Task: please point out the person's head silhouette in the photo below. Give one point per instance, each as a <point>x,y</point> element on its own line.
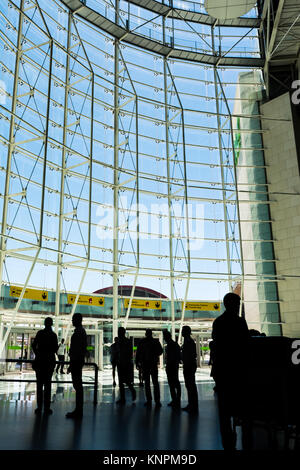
<point>148,333</point>
<point>167,336</point>
<point>62,340</point>
<point>232,303</point>
<point>77,319</point>
<point>48,322</point>
<point>186,331</point>
<point>121,332</point>
<point>253,332</point>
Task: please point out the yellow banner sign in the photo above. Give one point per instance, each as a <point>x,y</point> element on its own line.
<point>207,306</point>
<point>137,303</point>
<point>33,294</point>
<point>86,300</point>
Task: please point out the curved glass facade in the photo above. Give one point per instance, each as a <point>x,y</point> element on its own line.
<point>120,146</point>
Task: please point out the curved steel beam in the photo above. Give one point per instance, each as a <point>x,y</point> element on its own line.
<point>194,17</point>
<point>121,34</point>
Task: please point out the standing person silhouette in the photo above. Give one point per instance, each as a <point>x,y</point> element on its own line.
<point>124,365</point>
<point>44,347</point>
<point>113,359</point>
<point>189,359</point>
<point>77,355</point>
<point>147,354</point>
<point>172,369</point>
<point>229,331</point>
<point>61,356</point>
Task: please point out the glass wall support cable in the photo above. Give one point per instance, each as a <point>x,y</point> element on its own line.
<point>89,223</point>
<point>46,146</point>
<point>136,190</point>
<point>221,164</point>
<point>11,148</point>
<point>130,299</point>
<point>236,191</point>
<point>187,232</point>
<point>185,201</point>
<point>116,182</point>
<point>183,309</point>
<point>11,143</point>
<point>16,309</point>
<point>171,261</point>
<point>63,175</point>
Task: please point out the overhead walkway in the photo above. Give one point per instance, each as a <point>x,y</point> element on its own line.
<point>167,50</point>
<point>194,16</point>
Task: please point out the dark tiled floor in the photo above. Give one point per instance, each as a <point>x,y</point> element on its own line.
<point>108,426</point>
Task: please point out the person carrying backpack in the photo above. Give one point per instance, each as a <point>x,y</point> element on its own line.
<point>147,356</point>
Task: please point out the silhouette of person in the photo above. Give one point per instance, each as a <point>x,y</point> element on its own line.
<point>77,355</point>
<point>147,354</point>
<point>113,359</point>
<point>61,356</point>
<point>256,333</point>
<point>189,360</point>
<point>124,365</point>
<point>229,331</point>
<point>172,368</point>
<point>44,347</point>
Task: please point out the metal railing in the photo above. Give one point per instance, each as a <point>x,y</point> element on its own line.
<point>30,361</point>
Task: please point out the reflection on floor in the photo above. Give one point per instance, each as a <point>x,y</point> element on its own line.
<point>107,425</point>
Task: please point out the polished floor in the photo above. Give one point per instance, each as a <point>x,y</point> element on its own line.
<point>106,426</point>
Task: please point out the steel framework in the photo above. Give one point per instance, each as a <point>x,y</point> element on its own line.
<point>107,111</point>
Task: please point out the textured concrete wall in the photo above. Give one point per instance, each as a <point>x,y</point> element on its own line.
<point>251,298</point>
<point>260,295</point>
<point>283,177</point>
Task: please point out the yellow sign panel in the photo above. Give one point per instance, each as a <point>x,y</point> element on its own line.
<point>32,294</point>
<point>207,306</point>
<point>137,303</point>
<point>86,300</point>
